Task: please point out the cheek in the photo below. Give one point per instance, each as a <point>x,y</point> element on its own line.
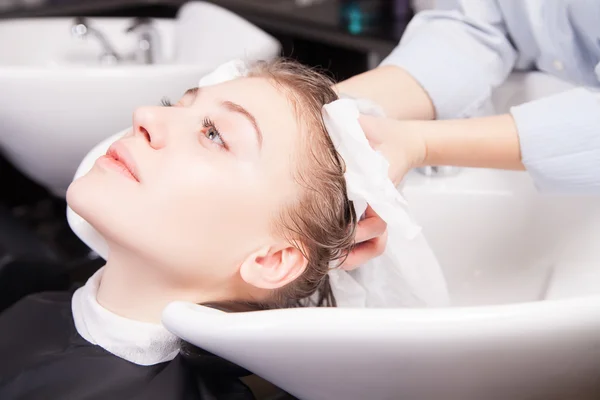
<point>188,187</point>
<point>206,212</point>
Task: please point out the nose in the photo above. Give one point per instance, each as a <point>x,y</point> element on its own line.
<point>150,124</point>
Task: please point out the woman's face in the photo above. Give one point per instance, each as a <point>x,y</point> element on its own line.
<point>208,177</point>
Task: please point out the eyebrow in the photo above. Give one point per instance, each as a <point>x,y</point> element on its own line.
<point>192,92</point>
<point>231,106</point>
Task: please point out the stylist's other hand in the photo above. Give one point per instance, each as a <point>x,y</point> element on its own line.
<point>371,238</point>
<point>404,149</point>
<point>399,143</point>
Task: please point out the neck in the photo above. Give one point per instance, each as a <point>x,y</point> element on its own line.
<point>133,289</point>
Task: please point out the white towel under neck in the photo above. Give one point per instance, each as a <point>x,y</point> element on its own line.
<point>138,342</point>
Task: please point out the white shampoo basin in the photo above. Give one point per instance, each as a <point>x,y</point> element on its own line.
<point>57,102</point>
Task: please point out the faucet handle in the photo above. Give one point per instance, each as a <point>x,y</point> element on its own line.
<point>80,27</point>
<point>139,22</point>
<point>439,170</point>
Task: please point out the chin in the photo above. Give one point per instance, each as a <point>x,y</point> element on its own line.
<point>109,208</point>
<point>75,196</point>
<point>87,197</point>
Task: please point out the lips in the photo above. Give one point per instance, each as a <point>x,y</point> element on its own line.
<point>118,153</point>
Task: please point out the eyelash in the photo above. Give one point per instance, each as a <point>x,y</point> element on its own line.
<point>207,123</point>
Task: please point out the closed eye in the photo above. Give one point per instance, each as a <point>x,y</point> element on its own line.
<point>165,102</point>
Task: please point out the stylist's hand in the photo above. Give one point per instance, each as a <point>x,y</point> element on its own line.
<point>371,238</point>
<point>404,149</point>
<point>398,141</point>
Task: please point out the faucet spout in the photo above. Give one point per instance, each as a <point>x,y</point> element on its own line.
<point>148,44</point>
<point>81,29</point>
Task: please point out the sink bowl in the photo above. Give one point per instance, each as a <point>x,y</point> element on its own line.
<point>500,241</point>
<point>523,272</point>
<point>57,102</point>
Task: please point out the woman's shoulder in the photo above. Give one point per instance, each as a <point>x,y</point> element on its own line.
<point>40,348</point>
<point>41,311</point>
<point>35,320</point>
<point>43,300</point>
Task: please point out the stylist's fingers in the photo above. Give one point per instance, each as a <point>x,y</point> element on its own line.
<point>370,227</point>
<point>370,239</point>
<point>365,251</point>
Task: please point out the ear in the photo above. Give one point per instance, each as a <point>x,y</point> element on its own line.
<point>273,267</point>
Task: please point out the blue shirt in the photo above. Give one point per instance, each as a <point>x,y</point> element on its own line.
<point>464,49</point>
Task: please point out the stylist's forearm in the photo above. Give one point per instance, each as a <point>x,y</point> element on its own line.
<point>392,88</point>
<point>489,142</point>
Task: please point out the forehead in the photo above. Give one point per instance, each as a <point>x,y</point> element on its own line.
<point>274,112</point>
<point>270,105</point>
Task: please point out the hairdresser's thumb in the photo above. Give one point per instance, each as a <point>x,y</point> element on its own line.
<point>372,127</point>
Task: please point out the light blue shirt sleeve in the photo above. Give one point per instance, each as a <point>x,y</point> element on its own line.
<point>457,56</point>
<point>560,141</point>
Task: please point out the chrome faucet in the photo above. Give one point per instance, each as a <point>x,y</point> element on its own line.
<point>438,170</point>
<point>147,49</point>
<point>148,44</point>
<point>81,29</point>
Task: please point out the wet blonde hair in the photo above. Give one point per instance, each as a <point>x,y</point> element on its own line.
<point>321,222</point>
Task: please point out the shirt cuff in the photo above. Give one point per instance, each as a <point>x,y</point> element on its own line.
<point>560,141</point>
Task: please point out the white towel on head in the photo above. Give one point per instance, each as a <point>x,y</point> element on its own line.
<point>407,273</point>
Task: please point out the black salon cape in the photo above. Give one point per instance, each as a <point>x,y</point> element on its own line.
<point>43,357</point>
